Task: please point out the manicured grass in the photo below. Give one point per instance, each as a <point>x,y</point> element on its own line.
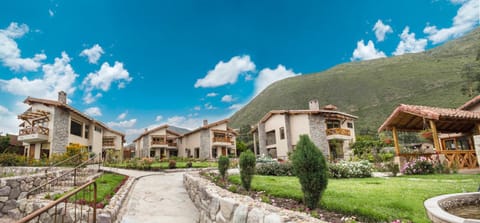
<point>374,199</point>
<point>106,185</point>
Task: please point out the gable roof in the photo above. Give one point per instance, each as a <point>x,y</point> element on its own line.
<point>168,127</point>
<point>297,112</point>
<point>414,117</point>
<point>30,100</point>
<point>207,126</point>
<point>469,104</point>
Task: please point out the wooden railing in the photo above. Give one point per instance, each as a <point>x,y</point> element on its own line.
<point>412,156</point>
<point>338,131</point>
<point>34,130</point>
<point>462,159</point>
<point>172,144</point>
<point>222,139</point>
<point>62,213</point>
<point>108,144</point>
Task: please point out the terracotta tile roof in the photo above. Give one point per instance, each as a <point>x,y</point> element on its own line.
<point>29,100</point>
<point>403,112</point>
<point>207,126</point>
<point>295,112</point>
<point>472,102</point>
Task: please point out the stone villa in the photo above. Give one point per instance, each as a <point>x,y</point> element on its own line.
<point>207,142</point>
<point>331,131</point>
<point>49,126</point>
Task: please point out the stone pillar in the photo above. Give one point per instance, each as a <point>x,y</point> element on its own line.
<point>62,97</point>
<point>255,142</point>
<point>146,147</point>
<point>60,131</point>
<point>288,133</point>
<point>205,144</point>
<point>262,139</point>
<point>318,133</point>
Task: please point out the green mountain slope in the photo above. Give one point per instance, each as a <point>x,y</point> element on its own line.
<point>372,89</point>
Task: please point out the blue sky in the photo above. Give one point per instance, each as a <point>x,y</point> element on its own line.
<point>139,64</point>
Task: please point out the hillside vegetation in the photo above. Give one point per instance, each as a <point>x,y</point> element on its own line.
<point>372,89</point>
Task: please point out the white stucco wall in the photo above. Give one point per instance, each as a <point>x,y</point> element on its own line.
<point>275,123</point>
<point>299,125</point>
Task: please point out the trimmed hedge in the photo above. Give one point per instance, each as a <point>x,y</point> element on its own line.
<point>344,169</point>
<point>275,169</point>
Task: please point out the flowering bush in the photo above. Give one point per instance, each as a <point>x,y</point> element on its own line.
<point>344,169</point>
<point>275,169</point>
<point>418,166</point>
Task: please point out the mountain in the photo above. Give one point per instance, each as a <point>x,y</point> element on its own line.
<point>372,89</point>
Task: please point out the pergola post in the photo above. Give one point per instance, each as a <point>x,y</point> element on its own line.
<point>477,127</point>
<point>395,141</point>
<point>436,142</point>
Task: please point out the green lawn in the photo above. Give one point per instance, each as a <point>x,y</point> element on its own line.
<point>374,199</point>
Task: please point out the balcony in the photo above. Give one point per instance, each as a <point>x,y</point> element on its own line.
<point>108,144</point>
<point>223,140</point>
<point>162,143</point>
<point>33,134</point>
<point>338,133</point>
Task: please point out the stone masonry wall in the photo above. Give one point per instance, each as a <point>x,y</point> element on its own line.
<point>262,139</point>
<point>146,147</point>
<point>318,133</point>
<point>221,206</point>
<point>205,145</point>
<point>60,130</point>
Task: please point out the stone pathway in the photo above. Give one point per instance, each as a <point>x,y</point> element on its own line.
<point>156,198</point>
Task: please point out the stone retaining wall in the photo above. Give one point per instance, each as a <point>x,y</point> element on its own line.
<point>7,171</point>
<point>16,188</point>
<point>221,206</point>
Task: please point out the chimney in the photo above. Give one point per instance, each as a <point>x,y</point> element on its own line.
<point>313,105</point>
<point>205,122</point>
<point>62,97</point>
<point>146,129</point>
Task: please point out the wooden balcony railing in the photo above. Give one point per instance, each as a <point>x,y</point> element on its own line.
<point>338,131</point>
<point>34,130</point>
<point>108,144</point>
<point>462,159</point>
<point>162,142</point>
<point>223,139</point>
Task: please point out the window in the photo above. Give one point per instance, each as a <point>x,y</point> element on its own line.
<point>108,141</point>
<point>331,124</point>
<point>87,131</point>
<point>282,133</point>
<point>350,125</point>
<point>271,138</point>
<point>98,129</point>
<point>76,128</point>
<point>214,152</point>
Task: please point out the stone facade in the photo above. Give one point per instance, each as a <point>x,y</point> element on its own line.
<point>218,205</point>
<point>262,139</point>
<point>318,133</point>
<point>61,130</point>
<point>288,133</point>
<point>146,148</point>
<point>205,144</point>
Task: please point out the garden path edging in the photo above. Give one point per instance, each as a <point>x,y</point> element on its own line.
<point>216,204</point>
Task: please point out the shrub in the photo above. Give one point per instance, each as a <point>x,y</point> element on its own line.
<point>189,164</point>
<point>247,168</point>
<point>172,164</point>
<point>265,159</point>
<point>418,166</point>
<point>11,159</point>
<point>311,169</point>
<point>344,169</point>
<point>275,169</point>
<point>233,188</point>
<point>223,163</point>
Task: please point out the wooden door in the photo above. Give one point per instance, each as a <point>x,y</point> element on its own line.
<point>224,151</point>
<point>31,151</point>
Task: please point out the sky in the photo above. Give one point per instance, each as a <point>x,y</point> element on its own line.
<point>139,64</point>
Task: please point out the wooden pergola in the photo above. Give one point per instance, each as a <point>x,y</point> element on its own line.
<point>408,118</point>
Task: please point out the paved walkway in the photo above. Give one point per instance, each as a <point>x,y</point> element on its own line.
<point>156,198</point>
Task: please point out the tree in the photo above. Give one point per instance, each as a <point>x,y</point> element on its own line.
<point>223,163</point>
<point>247,168</point>
<point>4,143</point>
<point>245,137</point>
<point>241,147</point>
<point>310,167</point>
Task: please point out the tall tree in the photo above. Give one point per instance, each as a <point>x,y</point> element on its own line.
<point>4,143</point>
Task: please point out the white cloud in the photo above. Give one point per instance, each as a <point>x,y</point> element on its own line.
<point>93,111</point>
<point>366,52</point>
<point>226,73</point>
<point>235,106</point>
<point>158,118</point>
<point>123,124</point>
<point>212,94</point>
<point>51,13</point>
<point>89,98</point>
<point>227,98</point>
<point>9,121</point>
<point>268,76</point>
<point>10,53</point>
<point>409,44</point>
<point>467,18</point>
<point>103,78</point>
<point>185,122</point>
<point>58,76</point>
<point>381,30</point>
<point>209,106</point>
<point>197,108</point>
<point>122,115</point>
<point>93,54</point>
